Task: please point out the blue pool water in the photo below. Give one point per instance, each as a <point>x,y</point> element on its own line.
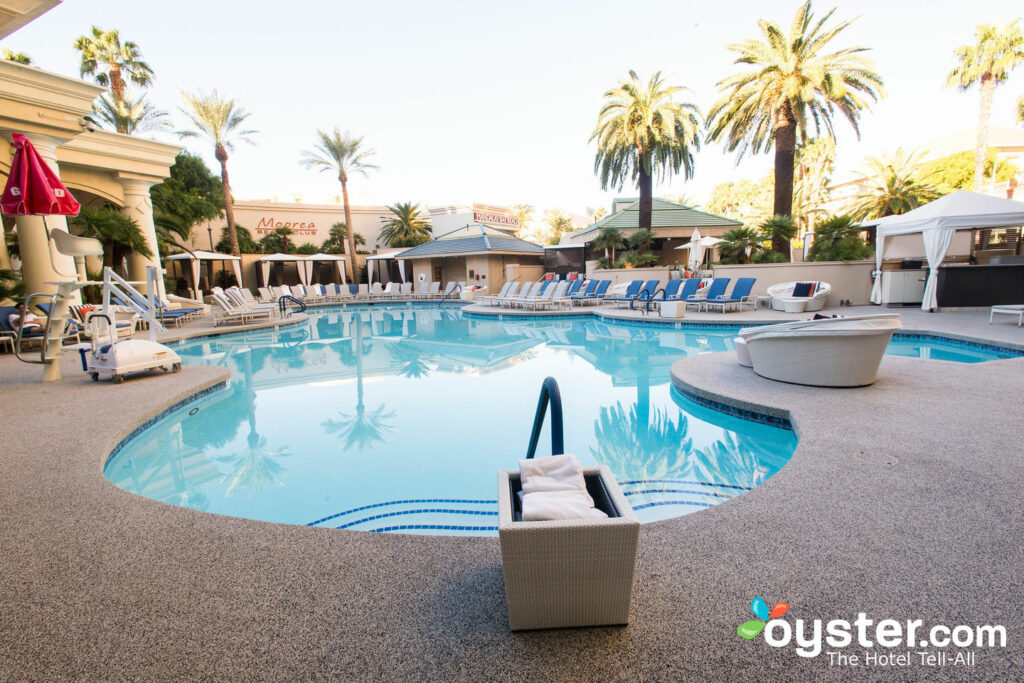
<point>397,418</point>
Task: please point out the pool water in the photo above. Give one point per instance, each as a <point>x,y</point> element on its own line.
<point>397,418</point>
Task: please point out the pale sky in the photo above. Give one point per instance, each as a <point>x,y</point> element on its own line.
<point>494,102</point>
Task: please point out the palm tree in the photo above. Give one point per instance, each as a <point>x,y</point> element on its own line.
<point>988,63</point>
<point>129,116</point>
<point>110,61</point>
<point>892,186</point>
<point>608,238</point>
<point>118,233</point>
<point>18,57</point>
<point>218,121</point>
<point>345,155</point>
<point>739,243</point>
<point>558,224</point>
<point>792,84</point>
<point>642,132</point>
<point>283,232</point>
<point>406,227</point>
<point>1020,109</point>
<point>778,229</point>
<point>524,214</point>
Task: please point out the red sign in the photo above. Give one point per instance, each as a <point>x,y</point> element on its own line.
<point>497,218</point>
<point>268,225</point>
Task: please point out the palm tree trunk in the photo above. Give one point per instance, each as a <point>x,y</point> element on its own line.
<point>645,182</point>
<point>351,249</point>
<point>785,155</point>
<point>116,84</point>
<point>229,210</point>
<point>988,87</point>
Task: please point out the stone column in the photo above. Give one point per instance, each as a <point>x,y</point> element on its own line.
<point>40,261</point>
<point>139,207</point>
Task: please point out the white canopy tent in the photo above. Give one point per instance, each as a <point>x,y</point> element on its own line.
<point>196,257</point>
<point>266,261</point>
<point>339,262</point>
<point>698,246</point>
<point>378,258</point>
<point>937,221</point>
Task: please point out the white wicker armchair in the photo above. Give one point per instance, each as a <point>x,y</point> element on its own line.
<point>783,292</point>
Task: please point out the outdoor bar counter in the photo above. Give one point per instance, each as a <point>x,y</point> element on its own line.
<point>963,286</point>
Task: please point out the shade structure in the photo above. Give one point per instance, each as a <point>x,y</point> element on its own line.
<point>195,257</point>
<point>937,221</point>
<point>698,246</point>
<point>339,261</point>
<point>32,186</point>
<point>377,258</point>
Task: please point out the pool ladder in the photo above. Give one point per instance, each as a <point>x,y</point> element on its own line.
<point>549,394</point>
<point>282,303</point>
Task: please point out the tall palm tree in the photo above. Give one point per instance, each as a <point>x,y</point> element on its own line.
<point>524,214</point>
<point>608,238</point>
<point>407,227</point>
<point>283,232</point>
<point>792,84</point>
<point>345,155</point>
<point>892,186</point>
<point>112,62</point>
<point>129,116</point>
<point>642,132</point>
<point>995,53</point>
<point>218,121</point>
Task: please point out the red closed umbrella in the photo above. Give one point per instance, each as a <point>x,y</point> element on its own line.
<point>33,188</point>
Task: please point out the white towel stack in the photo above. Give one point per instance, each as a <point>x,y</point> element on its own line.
<point>554,488</point>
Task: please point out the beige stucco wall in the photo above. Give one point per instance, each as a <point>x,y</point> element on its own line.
<point>849,280</point>
<point>617,275</point>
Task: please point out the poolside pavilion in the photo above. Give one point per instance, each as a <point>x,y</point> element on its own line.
<point>476,254</point>
<point>672,224</point>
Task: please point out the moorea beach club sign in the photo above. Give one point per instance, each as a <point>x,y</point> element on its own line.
<point>496,218</point>
<point>268,224</point>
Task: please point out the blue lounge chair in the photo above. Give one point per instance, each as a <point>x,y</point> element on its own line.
<point>595,296</point>
<point>631,291</point>
<point>587,291</point>
<point>740,296</point>
<point>687,290</point>
<point>646,292</point>
<point>668,293</point>
<point>715,290</point>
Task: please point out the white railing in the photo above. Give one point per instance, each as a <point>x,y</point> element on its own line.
<point>114,284</point>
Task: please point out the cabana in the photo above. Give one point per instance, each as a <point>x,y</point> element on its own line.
<point>384,259</point>
<point>339,261</point>
<point>937,222</point>
<point>196,257</point>
<point>299,261</point>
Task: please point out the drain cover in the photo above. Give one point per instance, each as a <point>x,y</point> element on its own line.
<point>876,458</point>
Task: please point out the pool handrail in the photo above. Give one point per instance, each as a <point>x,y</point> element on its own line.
<point>549,393</point>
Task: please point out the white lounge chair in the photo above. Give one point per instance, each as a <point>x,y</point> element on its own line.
<point>230,313</point>
<point>487,300</point>
<point>783,292</point>
<point>1008,309</point>
<point>830,352</point>
<point>545,298</point>
<point>435,290</point>
<point>529,290</point>
<point>405,291</point>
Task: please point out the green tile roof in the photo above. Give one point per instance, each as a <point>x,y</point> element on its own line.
<point>484,241</point>
<point>664,214</point>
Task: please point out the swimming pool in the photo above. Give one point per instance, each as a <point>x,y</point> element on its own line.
<point>397,418</point>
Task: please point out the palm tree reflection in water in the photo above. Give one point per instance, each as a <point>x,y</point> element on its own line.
<point>256,467</point>
<point>364,429</point>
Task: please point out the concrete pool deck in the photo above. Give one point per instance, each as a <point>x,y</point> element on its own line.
<point>902,501</point>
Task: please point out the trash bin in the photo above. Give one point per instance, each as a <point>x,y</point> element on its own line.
<point>572,572</point>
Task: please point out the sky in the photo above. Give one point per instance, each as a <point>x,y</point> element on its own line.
<point>492,102</point>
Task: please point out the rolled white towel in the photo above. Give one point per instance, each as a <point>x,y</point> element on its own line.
<point>547,505</point>
<point>554,473</point>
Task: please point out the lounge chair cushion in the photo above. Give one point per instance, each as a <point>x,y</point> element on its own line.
<point>803,289</point>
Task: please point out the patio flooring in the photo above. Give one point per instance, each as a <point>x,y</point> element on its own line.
<point>902,501</point>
